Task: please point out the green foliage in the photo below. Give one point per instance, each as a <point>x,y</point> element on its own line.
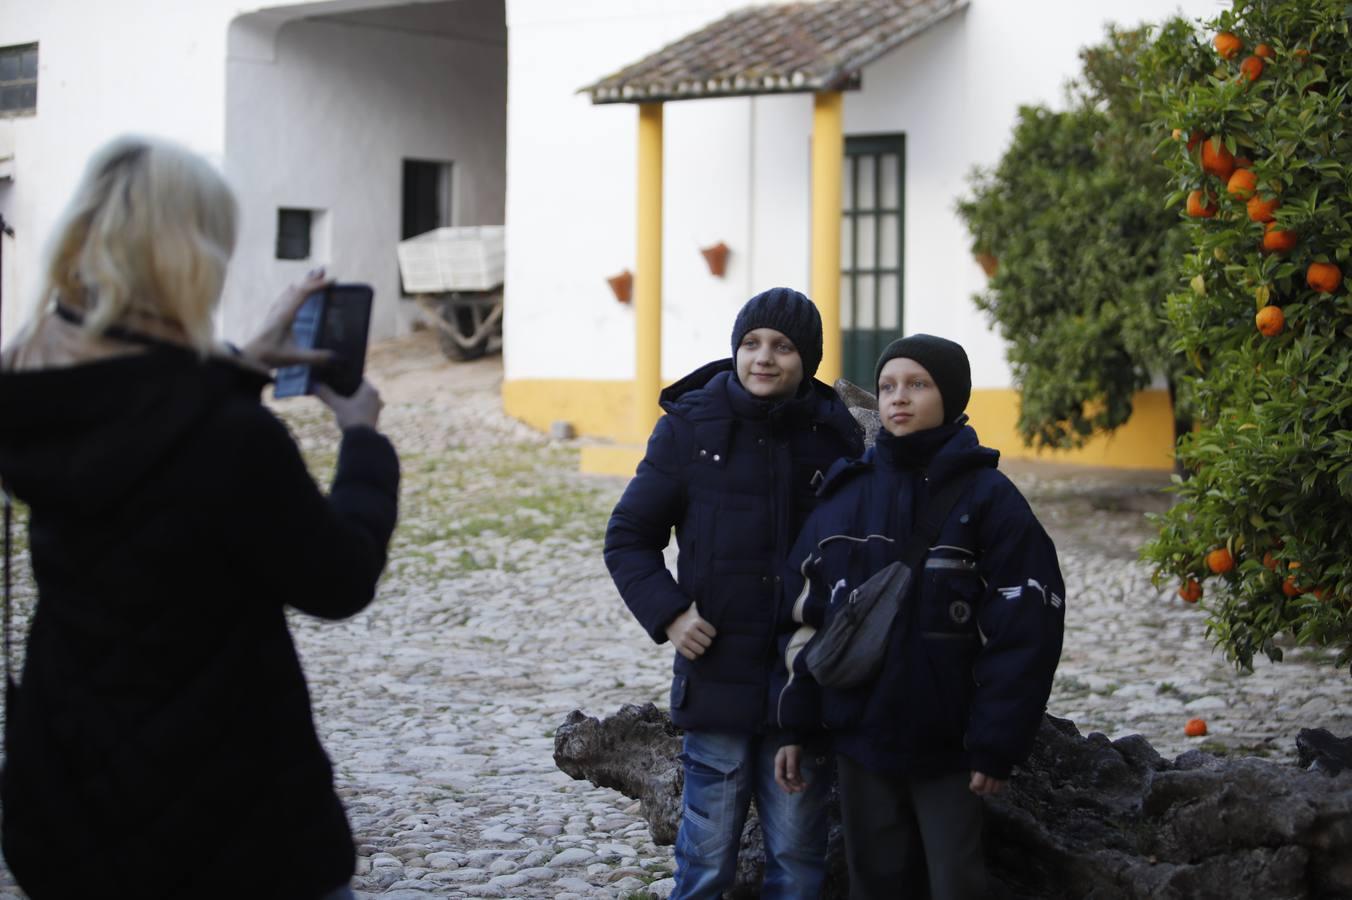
<point>1085,252</point>
<point>1272,460</point>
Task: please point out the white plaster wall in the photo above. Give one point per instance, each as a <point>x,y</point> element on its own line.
<point>160,66</point>
<point>104,69</point>
<point>572,171</point>
<point>326,122</point>
<point>954,91</point>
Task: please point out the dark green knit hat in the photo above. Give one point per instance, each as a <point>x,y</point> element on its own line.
<point>946,362</point>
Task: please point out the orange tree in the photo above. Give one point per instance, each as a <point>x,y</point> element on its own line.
<point>1069,225</point>
<point>1264,317</point>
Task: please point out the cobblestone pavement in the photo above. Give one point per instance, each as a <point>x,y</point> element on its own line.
<point>496,618</point>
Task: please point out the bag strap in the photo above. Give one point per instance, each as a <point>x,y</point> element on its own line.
<point>931,518</point>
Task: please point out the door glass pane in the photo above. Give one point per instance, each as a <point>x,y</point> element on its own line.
<point>29,66</point>
<point>864,317</point>
<point>9,66</point>
<point>865,166</point>
<point>888,241</point>
<point>889,302</point>
<point>868,243</point>
<point>889,186</point>
<point>846,303</point>
<point>847,189</point>
<point>846,243</point>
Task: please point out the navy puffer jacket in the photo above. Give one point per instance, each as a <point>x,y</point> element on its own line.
<point>969,667</point>
<point>736,477</point>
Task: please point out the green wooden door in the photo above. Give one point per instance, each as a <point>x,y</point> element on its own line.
<point>871,251</point>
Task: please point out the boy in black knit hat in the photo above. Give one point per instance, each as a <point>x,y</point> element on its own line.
<point>970,657</point>
<point>733,467</point>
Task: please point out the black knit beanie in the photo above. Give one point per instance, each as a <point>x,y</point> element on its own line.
<point>791,314</point>
<point>946,362</point>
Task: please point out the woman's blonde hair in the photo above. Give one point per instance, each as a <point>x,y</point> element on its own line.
<point>149,232</point>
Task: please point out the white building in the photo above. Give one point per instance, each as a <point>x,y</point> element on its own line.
<point>348,124</point>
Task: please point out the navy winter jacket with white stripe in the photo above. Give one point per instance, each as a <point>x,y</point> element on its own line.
<point>969,664</point>
<point>736,477</point>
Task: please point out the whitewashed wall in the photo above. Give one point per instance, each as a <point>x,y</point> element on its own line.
<point>325,121</point>
<point>737,170</point>
<point>153,66</point>
<point>319,115</point>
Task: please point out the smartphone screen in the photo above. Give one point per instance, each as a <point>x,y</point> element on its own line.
<point>292,381</point>
<point>336,318</point>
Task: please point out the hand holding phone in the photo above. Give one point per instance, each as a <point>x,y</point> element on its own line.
<point>335,318</point>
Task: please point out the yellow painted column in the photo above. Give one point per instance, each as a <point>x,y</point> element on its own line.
<point>828,160</point>
<point>648,277</point>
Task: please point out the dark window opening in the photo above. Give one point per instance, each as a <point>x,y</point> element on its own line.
<point>427,197</point>
<point>293,233</point>
<point>18,79</point>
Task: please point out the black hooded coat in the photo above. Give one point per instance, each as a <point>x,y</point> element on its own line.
<point>161,743</point>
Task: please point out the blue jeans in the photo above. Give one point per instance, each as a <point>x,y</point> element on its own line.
<point>722,773</point>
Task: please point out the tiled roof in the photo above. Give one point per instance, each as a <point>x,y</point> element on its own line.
<point>774,49</point>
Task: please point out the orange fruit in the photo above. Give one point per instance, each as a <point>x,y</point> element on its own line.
<point>1290,588</point>
<point>1265,51</point>
<point>1191,591</point>
<point>1243,162</point>
<point>1251,68</point>
<point>1194,139</point>
<point>1195,728</point>
<point>1270,321</point>
<point>1276,240</point>
<point>1242,184</point>
<point>1227,45</point>
<point>1261,210</point>
<point>1321,594</point>
<point>1324,277</point>
<point>1217,158</point>
<point>1201,206</point>
<point>1220,560</point>
<point>1270,561</point>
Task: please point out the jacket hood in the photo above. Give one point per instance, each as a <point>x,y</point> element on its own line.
<point>712,392</point>
<point>83,437</point>
<point>961,453</point>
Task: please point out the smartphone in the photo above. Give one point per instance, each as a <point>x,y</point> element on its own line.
<point>337,318</point>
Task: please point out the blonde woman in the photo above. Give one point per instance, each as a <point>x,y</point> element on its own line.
<point>160,742</point>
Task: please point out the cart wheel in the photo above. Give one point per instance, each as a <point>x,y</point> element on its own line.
<point>461,318</point>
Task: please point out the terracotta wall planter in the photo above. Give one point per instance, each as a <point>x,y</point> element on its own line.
<point>622,286</point>
<point>717,258</point>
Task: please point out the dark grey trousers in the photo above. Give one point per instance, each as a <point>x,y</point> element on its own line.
<point>897,827</point>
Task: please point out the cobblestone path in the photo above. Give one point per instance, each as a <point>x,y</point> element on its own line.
<point>496,618</point>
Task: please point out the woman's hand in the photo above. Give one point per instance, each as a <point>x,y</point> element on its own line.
<point>984,785</point>
<point>272,347</point>
<point>690,634</point>
<point>362,408</point>
<point>788,771</point>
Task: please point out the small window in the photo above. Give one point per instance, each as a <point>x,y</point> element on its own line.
<point>293,233</point>
<point>427,196</point>
<point>18,80</point>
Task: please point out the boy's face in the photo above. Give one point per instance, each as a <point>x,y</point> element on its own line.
<point>908,399</point>
<point>768,364</point>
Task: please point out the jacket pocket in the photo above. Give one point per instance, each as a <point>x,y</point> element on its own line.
<point>678,688</point>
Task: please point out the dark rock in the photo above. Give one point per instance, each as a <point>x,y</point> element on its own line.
<point>1320,751</point>
<point>1086,817</point>
<point>634,752</point>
